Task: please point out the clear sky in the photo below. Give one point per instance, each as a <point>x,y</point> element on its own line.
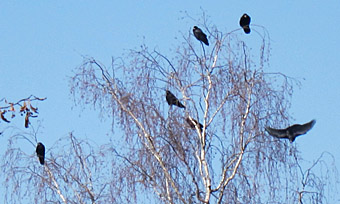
<point>41,42</point>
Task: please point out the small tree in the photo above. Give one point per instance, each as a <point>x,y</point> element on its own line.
<point>76,171</point>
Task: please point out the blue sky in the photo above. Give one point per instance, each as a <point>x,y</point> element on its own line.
<point>41,42</point>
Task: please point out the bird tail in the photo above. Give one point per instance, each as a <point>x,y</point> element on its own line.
<point>179,104</point>
<point>42,160</point>
<point>246,29</point>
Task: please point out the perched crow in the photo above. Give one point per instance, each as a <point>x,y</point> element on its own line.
<point>244,23</point>
<point>192,123</point>
<point>172,100</point>
<point>41,153</point>
<point>291,132</point>
<point>200,35</point>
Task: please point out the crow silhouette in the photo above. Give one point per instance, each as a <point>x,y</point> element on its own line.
<point>172,100</point>
<point>41,153</point>
<point>192,123</point>
<point>244,23</point>
<point>198,33</point>
<point>291,132</point>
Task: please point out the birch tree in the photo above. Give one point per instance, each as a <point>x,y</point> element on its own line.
<point>228,89</point>
<point>213,151</point>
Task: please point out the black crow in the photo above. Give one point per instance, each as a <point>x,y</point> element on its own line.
<point>172,100</point>
<point>41,153</point>
<point>192,123</point>
<point>291,132</point>
<point>200,35</point>
<point>244,23</point>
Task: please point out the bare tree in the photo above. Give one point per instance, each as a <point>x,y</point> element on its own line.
<point>156,154</point>
<point>317,180</point>
<point>76,171</point>
<point>228,90</point>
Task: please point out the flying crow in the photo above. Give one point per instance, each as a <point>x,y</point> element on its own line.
<point>244,23</point>
<point>291,132</point>
<point>41,153</point>
<point>200,35</point>
<point>172,100</point>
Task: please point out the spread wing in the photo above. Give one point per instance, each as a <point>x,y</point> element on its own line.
<point>280,133</point>
<point>302,129</point>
